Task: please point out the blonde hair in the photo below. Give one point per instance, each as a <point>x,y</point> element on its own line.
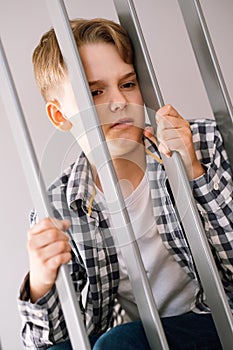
<point>49,67</point>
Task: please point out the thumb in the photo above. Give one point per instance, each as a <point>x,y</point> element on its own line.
<point>163,148</point>
<point>149,133</point>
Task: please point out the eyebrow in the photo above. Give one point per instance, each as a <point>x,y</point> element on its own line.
<point>125,76</point>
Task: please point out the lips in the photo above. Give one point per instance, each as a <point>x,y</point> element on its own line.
<point>122,123</point>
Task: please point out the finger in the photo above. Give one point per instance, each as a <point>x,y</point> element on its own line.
<point>149,133</point>
<point>46,237</point>
<point>48,223</point>
<point>170,122</point>
<point>164,149</point>
<point>182,132</point>
<point>55,262</point>
<point>167,110</point>
<point>55,249</point>
<point>172,134</point>
<point>149,130</point>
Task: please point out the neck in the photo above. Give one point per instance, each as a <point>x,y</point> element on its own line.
<point>129,168</point>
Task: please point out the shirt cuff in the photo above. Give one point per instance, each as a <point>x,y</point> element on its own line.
<point>210,190</point>
<point>38,311</point>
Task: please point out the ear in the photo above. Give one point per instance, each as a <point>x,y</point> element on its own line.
<point>56,116</point>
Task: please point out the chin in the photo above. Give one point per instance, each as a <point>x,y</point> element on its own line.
<point>122,147</point>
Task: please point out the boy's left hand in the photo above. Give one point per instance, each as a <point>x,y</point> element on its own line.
<point>174,134</point>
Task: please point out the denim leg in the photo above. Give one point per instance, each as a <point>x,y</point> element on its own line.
<point>129,336</point>
<point>185,332</point>
<point>66,345</point>
<point>191,332</point>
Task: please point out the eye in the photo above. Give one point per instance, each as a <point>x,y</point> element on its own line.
<point>96,92</point>
<point>128,85</point>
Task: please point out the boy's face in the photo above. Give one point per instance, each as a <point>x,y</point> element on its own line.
<point>116,95</point>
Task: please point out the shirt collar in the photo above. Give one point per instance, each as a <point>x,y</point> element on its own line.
<point>80,185</point>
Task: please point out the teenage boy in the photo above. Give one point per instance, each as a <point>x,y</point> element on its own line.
<point>80,209</point>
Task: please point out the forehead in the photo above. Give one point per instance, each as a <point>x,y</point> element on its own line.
<point>102,61</point>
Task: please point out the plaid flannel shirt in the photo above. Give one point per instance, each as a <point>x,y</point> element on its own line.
<point>94,259</point>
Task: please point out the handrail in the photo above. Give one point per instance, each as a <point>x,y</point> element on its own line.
<point>87,123</point>
<point>210,70</point>
<point>40,199</point>
<point>185,203</point>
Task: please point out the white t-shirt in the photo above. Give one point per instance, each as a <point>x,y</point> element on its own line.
<point>173,289</point>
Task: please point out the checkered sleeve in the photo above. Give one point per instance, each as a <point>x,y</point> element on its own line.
<point>39,318</point>
<point>213,193</point>
<point>43,323</point>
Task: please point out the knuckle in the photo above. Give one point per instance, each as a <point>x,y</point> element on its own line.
<point>186,123</point>
<point>29,235</point>
<point>68,257</point>
<point>46,221</point>
<point>61,259</point>
<point>38,256</point>
<point>53,234</point>
<point>53,263</point>
<point>30,244</point>
<point>44,224</point>
<point>169,107</point>
<point>62,246</point>
<point>57,261</point>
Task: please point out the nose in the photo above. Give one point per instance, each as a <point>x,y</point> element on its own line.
<point>117,101</point>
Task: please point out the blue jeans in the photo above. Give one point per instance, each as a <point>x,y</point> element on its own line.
<point>185,332</point>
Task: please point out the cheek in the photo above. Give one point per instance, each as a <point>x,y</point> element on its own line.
<point>103,114</point>
<point>138,113</point>
<point>138,97</point>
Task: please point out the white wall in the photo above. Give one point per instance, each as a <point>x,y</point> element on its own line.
<point>21,24</point>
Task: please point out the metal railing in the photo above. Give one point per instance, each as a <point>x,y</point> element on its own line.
<point>87,122</point>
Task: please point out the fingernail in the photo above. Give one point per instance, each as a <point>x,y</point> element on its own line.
<point>66,223</point>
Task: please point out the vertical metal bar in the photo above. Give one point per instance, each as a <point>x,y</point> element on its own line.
<point>210,70</point>
<point>179,184</point>
<point>87,123</point>
<point>40,199</point>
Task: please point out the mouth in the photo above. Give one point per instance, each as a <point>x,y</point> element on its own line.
<point>123,123</point>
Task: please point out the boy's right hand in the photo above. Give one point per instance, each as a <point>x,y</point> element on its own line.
<point>48,248</point>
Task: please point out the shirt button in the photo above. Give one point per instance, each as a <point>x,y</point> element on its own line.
<point>216,186</point>
<point>39,314</point>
